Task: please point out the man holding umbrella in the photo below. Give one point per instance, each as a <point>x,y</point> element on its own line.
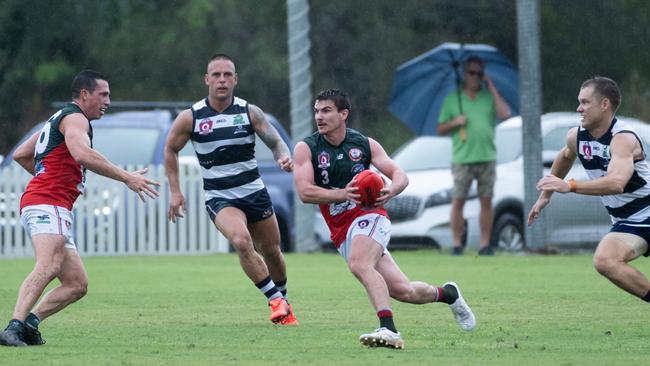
<point>469,114</point>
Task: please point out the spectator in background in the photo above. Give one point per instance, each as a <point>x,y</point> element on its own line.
<point>469,114</point>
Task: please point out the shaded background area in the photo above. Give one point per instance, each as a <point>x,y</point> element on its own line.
<point>158,50</point>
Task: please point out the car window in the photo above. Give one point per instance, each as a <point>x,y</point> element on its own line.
<point>508,143</point>
<point>111,143</point>
<point>424,153</point>
<point>555,139</point>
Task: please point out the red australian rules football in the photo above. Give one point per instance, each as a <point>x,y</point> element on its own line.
<point>370,185</point>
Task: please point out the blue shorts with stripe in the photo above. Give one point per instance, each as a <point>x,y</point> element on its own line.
<point>640,231</point>
<point>256,206</point>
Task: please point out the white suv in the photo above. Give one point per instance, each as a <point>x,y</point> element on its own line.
<point>420,215</point>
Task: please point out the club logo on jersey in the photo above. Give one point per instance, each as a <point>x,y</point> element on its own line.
<point>357,168</point>
<point>323,160</point>
<point>238,120</point>
<point>586,151</point>
<point>355,154</point>
<point>43,219</point>
<point>339,157</point>
<point>606,152</point>
<point>363,224</point>
<point>205,127</point>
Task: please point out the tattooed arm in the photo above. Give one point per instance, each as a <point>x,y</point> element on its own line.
<point>271,138</point>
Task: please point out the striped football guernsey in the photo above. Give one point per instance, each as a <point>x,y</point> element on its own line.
<point>225,146</point>
<point>632,207</point>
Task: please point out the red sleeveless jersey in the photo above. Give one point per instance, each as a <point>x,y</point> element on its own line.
<point>58,178</point>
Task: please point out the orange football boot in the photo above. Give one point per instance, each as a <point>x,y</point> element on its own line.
<point>290,319</point>
<point>279,309</point>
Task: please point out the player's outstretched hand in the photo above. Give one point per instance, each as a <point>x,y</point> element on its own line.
<point>141,185</point>
<point>176,207</point>
<point>537,208</point>
<point>286,164</point>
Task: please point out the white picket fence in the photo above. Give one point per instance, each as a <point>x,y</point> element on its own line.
<point>110,219</point>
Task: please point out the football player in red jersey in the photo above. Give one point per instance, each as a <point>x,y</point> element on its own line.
<point>325,173</point>
<point>58,157</point>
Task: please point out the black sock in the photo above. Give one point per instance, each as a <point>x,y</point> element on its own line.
<point>449,294</point>
<point>32,321</point>
<point>386,320</point>
<point>646,298</point>
<point>282,287</point>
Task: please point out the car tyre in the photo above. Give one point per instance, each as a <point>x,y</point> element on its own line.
<point>508,233</point>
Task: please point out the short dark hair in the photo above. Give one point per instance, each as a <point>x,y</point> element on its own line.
<point>86,79</point>
<point>473,59</point>
<point>606,88</point>
<point>340,99</point>
<point>221,56</point>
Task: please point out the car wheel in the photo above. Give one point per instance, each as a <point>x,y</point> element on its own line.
<point>508,233</point>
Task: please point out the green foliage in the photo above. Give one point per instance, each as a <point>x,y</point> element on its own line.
<point>158,50</point>
<point>191,310</point>
<point>52,73</point>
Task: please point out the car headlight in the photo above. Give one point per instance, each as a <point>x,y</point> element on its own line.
<point>438,198</point>
<point>444,197</point>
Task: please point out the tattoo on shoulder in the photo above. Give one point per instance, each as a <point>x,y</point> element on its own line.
<point>256,114</point>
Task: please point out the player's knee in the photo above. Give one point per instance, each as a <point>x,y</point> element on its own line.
<point>604,264</point>
<point>80,290</point>
<point>358,268</point>
<point>270,249</point>
<point>242,243</point>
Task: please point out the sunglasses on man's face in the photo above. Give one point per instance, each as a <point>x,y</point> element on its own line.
<point>475,72</point>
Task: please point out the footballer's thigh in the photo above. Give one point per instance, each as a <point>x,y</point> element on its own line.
<point>620,247</point>
<point>231,222</point>
<point>266,234</point>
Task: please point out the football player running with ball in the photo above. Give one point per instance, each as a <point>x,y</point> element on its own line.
<point>325,165</point>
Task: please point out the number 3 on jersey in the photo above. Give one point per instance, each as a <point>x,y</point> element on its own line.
<point>326,177</point>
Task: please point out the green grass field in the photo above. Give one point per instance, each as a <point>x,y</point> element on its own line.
<point>531,310</point>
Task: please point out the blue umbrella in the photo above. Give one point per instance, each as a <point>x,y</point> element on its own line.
<point>421,84</point>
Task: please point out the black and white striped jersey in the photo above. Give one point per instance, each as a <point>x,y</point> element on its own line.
<point>632,207</point>
<point>225,146</point>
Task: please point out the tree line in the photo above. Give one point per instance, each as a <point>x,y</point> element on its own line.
<point>158,50</point>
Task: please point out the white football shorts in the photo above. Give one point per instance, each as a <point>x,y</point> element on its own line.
<point>48,219</point>
<point>371,225</point>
